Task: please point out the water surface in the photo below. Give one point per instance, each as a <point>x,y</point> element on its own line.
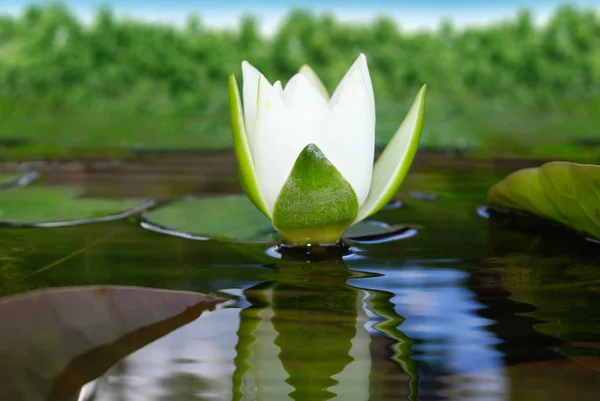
<point>467,309</point>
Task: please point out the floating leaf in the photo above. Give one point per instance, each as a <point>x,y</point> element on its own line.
<point>375,232</point>
<point>60,206</point>
<point>567,193</point>
<point>17,180</point>
<point>52,342</point>
<point>229,218</point>
<point>234,218</point>
<point>8,178</point>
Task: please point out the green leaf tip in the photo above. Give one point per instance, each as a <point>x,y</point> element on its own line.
<point>242,150</point>
<point>316,203</point>
<point>395,161</point>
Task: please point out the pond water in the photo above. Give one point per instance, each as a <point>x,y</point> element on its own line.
<point>467,308</point>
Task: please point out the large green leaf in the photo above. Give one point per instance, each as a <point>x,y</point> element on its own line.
<point>17,180</point>
<point>54,206</point>
<point>53,342</point>
<point>393,164</point>
<point>567,193</point>
<point>229,218</point>
<point>242,148</point>
<point>316,204</point>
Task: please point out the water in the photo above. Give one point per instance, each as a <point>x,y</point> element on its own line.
<point>467,309</point>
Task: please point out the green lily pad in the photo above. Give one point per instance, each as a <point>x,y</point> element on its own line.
<point>234,218</point>
<point>9,178</point>
<point>60,206</point>
<point>55,341</point>
<point>567,193</point>
<point>228,218</point>
<point>377,232</point>
<point>17,180</point>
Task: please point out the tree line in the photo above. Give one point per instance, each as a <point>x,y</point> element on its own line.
<point>49,56</point>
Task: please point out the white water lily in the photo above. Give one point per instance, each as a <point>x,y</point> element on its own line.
<point>306,160</point>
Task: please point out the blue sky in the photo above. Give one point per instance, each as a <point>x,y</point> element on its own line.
<point>411,15</point>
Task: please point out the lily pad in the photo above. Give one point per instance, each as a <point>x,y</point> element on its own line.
<point>227,218</point>
<point>17,180</point>
<point>377,232</point>
<point>60,206</point>
<point>9,178</point>
<point>566,193</point>
<point>53,342</point>
<point>234,218</point>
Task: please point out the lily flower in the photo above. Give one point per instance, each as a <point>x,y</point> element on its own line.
<point>306,160</point>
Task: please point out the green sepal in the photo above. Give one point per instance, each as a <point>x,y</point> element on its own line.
<point>242,148</point>
<point>316,203</point>
<point>393,164</point>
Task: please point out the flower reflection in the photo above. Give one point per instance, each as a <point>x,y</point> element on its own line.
<point>295,339</point>
<point>320,331</point>
<point>304,337</point>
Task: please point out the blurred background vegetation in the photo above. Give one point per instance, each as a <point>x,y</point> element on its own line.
<point>119,85</point>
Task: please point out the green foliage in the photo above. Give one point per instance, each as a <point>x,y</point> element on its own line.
<point>43,204</point>
<point>567,193</point>
<point>235,219</point>
<point>125,83</point>
<point>48,53</point>
<point>6,179</point>
<point>228,218</point>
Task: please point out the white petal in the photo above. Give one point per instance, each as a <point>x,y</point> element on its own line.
<point>278,143</point>
<point>309,110</point>
<point>278,88</point>
<point>361,65</point>
<point>249,96</point>
<point>348,140</point>
<point>314,79</point>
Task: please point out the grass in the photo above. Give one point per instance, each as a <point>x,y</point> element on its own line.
<point>486,127</point>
